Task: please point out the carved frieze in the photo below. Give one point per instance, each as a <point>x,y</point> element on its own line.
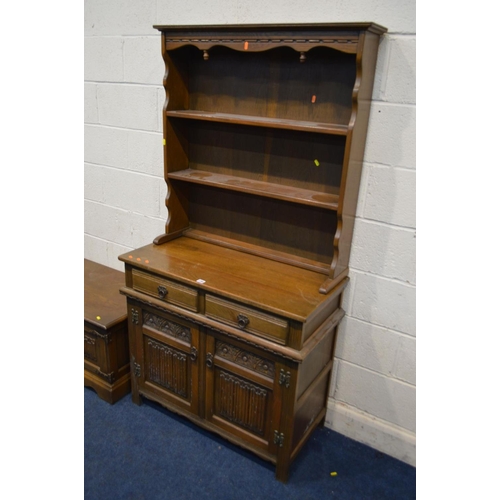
<point>245,358</point>
<point>163,325</point>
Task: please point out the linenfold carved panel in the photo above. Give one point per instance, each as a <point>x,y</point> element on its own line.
<point>241,402</point>
<point>167,367</point>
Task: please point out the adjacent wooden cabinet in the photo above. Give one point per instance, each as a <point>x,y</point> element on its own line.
<point>233,311</point>
<point>106,349</point>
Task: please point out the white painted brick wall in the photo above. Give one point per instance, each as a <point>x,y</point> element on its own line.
<point>90,103</point>
<point>128,106</point>
<point>372,396</point>
<point>368,345</point>
<point>400,78</point>
<point>390,195</point>
<point>384,302</point>
<point>120,17</point>
<point>147,50</point>
<point>390,127</point>
<point>106,146</point>
<point>129,149</point>
<point>383,397</point>
<point>104,59</point>
<point>405,368</point>
<point>388,249</point>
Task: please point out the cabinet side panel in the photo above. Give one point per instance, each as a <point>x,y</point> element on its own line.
<point>315,362</point>
<point>309,411</point>
<point>175,138</point>
<point>121,349</point>
<point>320,315</point>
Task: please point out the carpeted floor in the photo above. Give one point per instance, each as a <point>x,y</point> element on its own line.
<point>148,453</point>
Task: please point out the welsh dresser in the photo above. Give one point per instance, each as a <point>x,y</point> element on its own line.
<point>233,311</point>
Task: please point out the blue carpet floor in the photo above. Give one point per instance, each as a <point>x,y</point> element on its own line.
<point>148,453</point>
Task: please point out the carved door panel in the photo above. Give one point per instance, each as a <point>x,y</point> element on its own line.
<point>167,354</point>
<point>240,390</point>
<point>95,353</point>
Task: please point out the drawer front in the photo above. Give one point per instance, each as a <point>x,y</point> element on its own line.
<point>247,319</point>
<point>166,290</point>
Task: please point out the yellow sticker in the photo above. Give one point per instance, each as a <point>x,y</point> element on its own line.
<point>316,162</point>
<point>333,473</point>
<point>98,317</point>
<point>164,142</point>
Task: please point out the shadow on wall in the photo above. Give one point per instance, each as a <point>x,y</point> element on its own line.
<point>375,363</point>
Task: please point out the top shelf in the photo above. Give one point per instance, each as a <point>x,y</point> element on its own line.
<point>270,28</point>
<point>258,121</point>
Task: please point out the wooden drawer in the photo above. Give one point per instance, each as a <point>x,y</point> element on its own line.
<point>247,319</point>
<point>166,290</point>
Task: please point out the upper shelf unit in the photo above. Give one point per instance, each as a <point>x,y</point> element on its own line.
<point>264,135</point>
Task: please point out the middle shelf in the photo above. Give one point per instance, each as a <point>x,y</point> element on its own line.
<point>260,188</point>
<point>259,121</point>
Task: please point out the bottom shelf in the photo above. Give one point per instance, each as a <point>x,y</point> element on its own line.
<point>326,287</point>
<point>258,250</point>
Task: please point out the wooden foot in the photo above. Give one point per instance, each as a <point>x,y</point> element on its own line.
<point>110,393</point>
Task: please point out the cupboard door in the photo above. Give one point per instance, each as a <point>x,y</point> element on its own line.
<point>168,351</point>
<point>240,392</point>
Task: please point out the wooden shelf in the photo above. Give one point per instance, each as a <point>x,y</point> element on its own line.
<point>267,253</point>
<point>260,188</point>
<point>258,121</point>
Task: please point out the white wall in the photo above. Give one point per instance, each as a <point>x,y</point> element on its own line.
<point>373,391</point>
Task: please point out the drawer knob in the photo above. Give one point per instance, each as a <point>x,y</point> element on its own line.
<point>162,291</point>
<point>242,321</point>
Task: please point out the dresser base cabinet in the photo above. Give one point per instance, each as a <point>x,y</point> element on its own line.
<point>218,366</point>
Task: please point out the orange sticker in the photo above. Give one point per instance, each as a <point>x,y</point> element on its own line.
<point>245,46</point>
<point>130,257</point>
<point>138,259</point>
<point>313,100</point>
<point>146,261</point>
